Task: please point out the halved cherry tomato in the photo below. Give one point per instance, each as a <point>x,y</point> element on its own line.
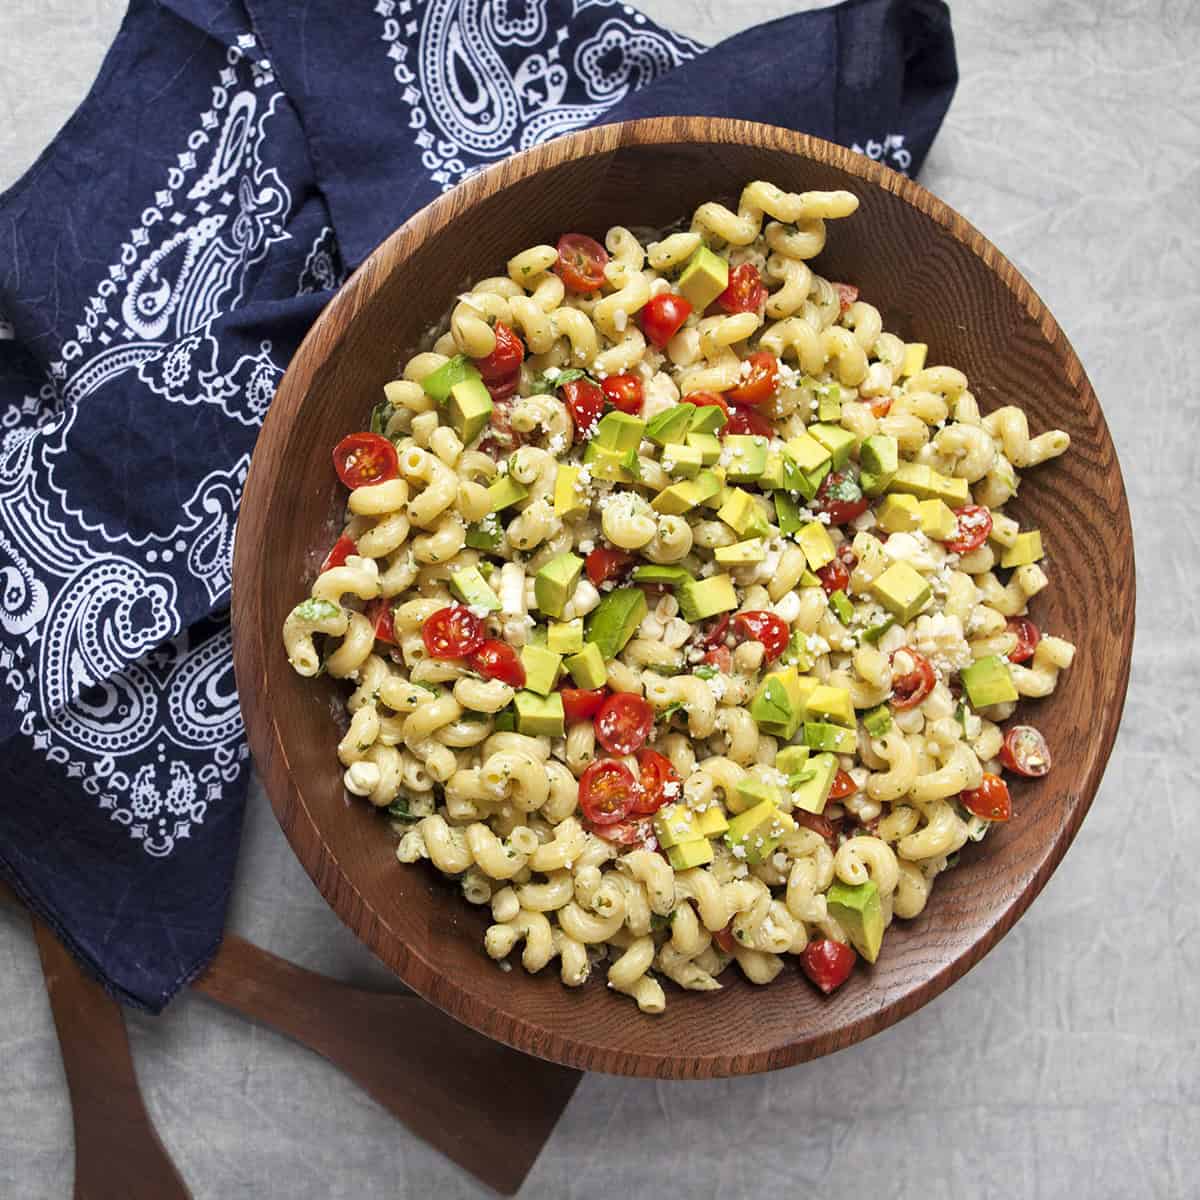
<point>840,496</point>
<point>847,294</point>
<point>607,791</point>
<point>763,627</point>
<point>974,525</point>
<point>662,317</point>
<point>603,564</point>
<point>379,613</point>
<point>714,633</point>
<point>909,689</point>
<point>637,831</point>
<point>498,660</point>
<point>361,459</point>
<point>452,632</point>
<point>1025,752</point>
<point>990,800</point>
<point>624,392</point>
<point>720,657</point>
<point>581,262</point>
<point>745,292</point>
<point>505,359</point>
<point>660,782</point>
<point>1028,637</point>
<point>834,576</point>
<point>504,389</point>
<point>828,963</point>
<point>880,406</point>
<point>341,550</point>
<point>581,704</point>
<point>819,824</point>
<point>747,420</point>
<point>759,384</point>
<point>725,939</point>
<point>623,723</point>
<point>585,402</point>
<point>843,786</point>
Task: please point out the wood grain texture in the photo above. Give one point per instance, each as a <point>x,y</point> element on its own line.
<point>935,279</point>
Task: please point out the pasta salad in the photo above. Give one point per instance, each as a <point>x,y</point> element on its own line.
<point>681,609</point>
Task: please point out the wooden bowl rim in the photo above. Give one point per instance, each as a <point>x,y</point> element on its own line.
<point>270,752</point>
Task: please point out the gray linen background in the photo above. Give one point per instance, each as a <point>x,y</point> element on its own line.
<point>1068,1062</point>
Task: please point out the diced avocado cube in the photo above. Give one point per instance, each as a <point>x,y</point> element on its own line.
<point>756,832</point>
<point>554,584</point>
<point>704,278</point>
<point>857,909</point>
<point>485,535</point>
<point>791,759</point>
<point>878,721</point>
<point>813,791</point>
<point>808,579</point>
<point>569,497</point>
<point>505,721</point>
<point>541,668</point>
<point>505,491</point>
<point>674,824</point>
<point>682,462</point>
<point>797,653</point>
<point>711,822</point>
<point>708,418</point>
<point>746,455</point>
<point>539,716</point>
<point>913,479</point>
<point>838,441</point>
<point>741,554</point>
<point>709,446</point>
<point>690,854</point>
<point>787,514</point>
<point>898,513</point>
<point>472,589</point>
<point>469,409</point>
<point>671,425</point>
<point>701,598</point>
<point>820,735</point>
<point>438,384</point>
<point>683,497</point>
<point>937,521</point>
<point>778,705</point>
<point>565,637</point>
<point>606,463</point>
<point>914,359</point>
<point>743,515</point>
<point>587,667</point>
<point>829,408</point>
<point>723,489</point>
<point>826,703</point>
<point>988,681</point>
<point>873,633</point>
<point>840,603</point>
<point>807,453</point>
<point>661,573</point>
<point>618,430</point>
<point>538,635</point>
<point>878,458</point>
<point>751,791</point>
<point>817,545</point>
<point>1025,550</point>
<point>902,590</point>
<point>612,622</point>
<point>771,479</point>
<point>809,484</point>
<point>954,491</point>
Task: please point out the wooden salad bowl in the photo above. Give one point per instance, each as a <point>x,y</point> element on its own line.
<point>936,280</point>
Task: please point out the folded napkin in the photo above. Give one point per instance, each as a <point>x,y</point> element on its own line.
<point>161,262</point>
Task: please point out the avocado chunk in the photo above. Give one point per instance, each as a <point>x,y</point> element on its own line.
<point>675,824</point>
<point>806,452</point>
<point>541,668</point>
<point>743,515</point>
<point>570,498</point>
<point>741,554</point>
<point>838,441</point>
<point>708,418</point>
<point>587,667</point>
<point>791,759</point>
<point>829,404</point>
<point>661,573</point>
<point>539,716</point>
<point>702,598</point>
<point>565,637</point>
<point>825,703</point>
<point>937,521</point>
<point>505,721</point>
<point>472,589</point>
<point>898,513</point>
<point>778,705</point>
<point>927,484</point>
<point>1025,550</point>
<point>751,791</point>
<point>682,462</point>
<point>711,822</point>
<point>612,622</point>
<point>486,534</point>
<point>683,497</point>
<point>690,854</point>
<point>771,479</point>
<point>670,426</point>
<point>746,456</point>
<point>504,492</point>
<point>439,383</point>
<point>873,633</point>
<point>856,908</point>
<point>820,735</point>
<point>840,603</point>
<point>469,409</point>
<point>878,721</point>
<point>816,778</point>
<point>914,359</point>
<point>704,278</point>
<point>756,832</point>
<point>902,591</point>
<point>988,681</point>
<point>878,458</point>
<point>951,489</point>
<point>787,514</point>
<point>608,464</point>
<point>709,446</point>
<point>555,582</point>
<point>618,430</point>
<point>817,545</point>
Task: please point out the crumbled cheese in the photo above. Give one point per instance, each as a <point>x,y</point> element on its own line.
<point>586,546</point>
<point>552,373</point>
<point>717,686</point>
<point>557,444</point>
<point>479,610</point>
<point>939,637</point>
<point>739,851</point>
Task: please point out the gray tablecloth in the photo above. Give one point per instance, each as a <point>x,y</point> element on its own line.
<point>1068,1062</point>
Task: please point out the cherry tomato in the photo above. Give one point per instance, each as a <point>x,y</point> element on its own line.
<point>505,359</point>
<point>748,420</point>
<point>361,459</point>
<point>603,564</point>
<point>637,831</point>
<point>843,786</point>
<point>341,550</point>
<point>1025,752</point>
<point>585,402</point>
<point>452,632</point>
<point>624,392</point>
<point>580,704</point>
<point>847,294</point>
<point>1028,637</point>
<point>828,963</point>
<point>909,689</point>
<point>990,800</point>
<point>720,657</point>
<point>819,824</point>
<point>840,496</point>
<point>880,406</point>
<point>725,939</point>
<point>607,791</point>
<point>498,660</point>
<point>834,576</point>
<point>763,627</point>
<point>662,317</point>
<point>623,723</point>
<point>974,525</point>
<point>581,262</point>
<point>379,613</point>
<point>501,438</point>
<point>660,782</point>
<point>504,389</point>
<point>760,383</point>
<point>714,633</point>
<point>745,292</point>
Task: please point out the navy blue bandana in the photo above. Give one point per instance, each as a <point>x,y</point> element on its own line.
<point>160,264</point>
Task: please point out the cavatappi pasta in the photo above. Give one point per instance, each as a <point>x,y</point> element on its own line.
<point>681,608</point>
